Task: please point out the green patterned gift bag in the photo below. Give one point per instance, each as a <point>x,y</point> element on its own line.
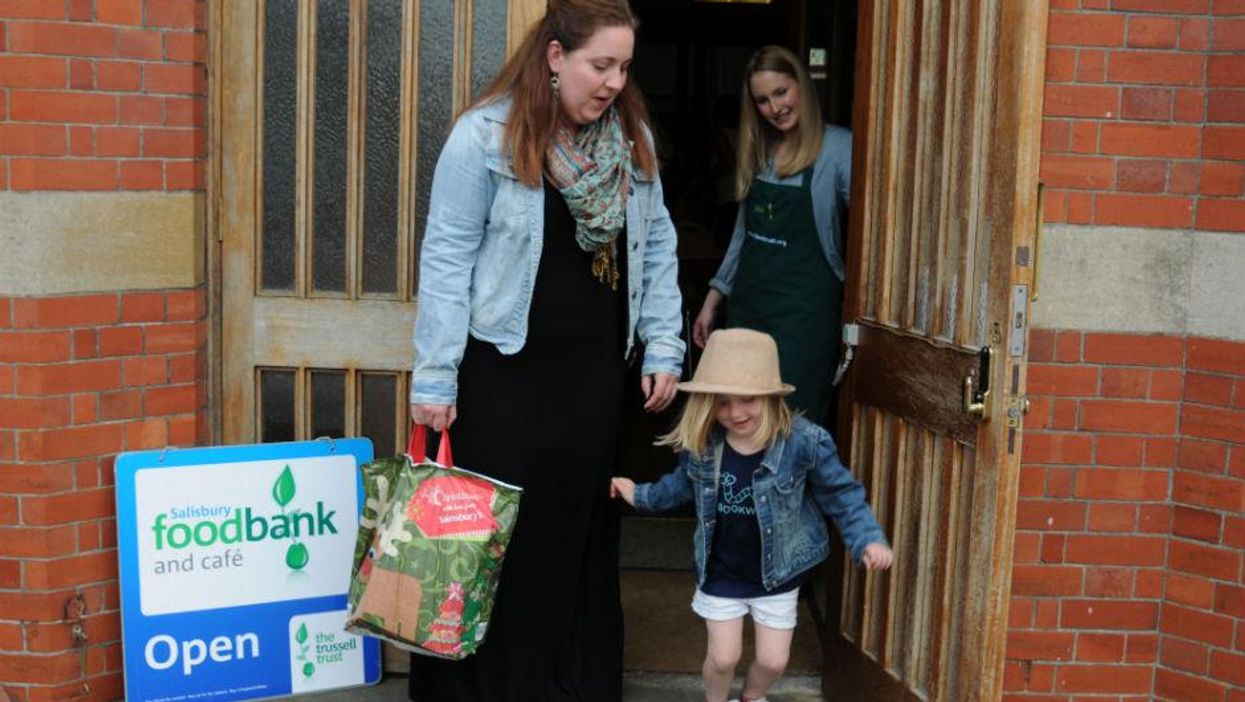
<point>435,538</point>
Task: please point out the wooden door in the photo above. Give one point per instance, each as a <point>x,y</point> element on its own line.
<point>947,118</point>
<point>329,116</point>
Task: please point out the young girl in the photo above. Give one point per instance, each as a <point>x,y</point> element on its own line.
<point>761,479</point>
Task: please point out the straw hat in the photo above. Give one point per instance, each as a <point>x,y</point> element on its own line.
<point>738,362</point>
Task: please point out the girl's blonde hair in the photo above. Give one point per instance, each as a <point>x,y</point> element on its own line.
<point>533,118</point>
<point>757,136</point>
<point>691,433</point>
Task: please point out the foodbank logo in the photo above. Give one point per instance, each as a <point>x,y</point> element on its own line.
<point>179,529</point>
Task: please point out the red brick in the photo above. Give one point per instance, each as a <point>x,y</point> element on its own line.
<point>65,311</point>
<point>1188,656</point>
<point>1125,382</point>
<point>120,341</point>
<point>1155,68</point>
<point>81,141</point>
<point>1085,29</point>
<point>1026,548</point>
<point>62,174</point>
<point>185,47</point>
<point>1169,141</point>
<point>1230,600</point>
<point>32,9</point>
<point>1119,450</point>
<point>1194,34</point>
<point>1207,389</point>
<point>1141,175</point>
<point>1225,106</point>
<point>1117,679</point>
<point>68,508</point>
<point>76,107</point>
<point>1134,349</point>
<point>68,572</point>
<point>1203,559</point>
<point>60,379</point>
<point>121,76</point>
<point>36,542</point>
<point>72,442</point>
<point>1142,648</point>
<point>1068,346</point>
<point>1050,515</point>
<point>142,175</point>
<point>1100,648</point>
<point>129,12</point>
<point>1149,584</point>
<point>61,39</point>
<point>138,372</point>
<point>1077,172</point>
<point>39,670</point>
<point>1185,177</point>
<point>1040,645</point>
<point>1116,550</point>
<point>1057,448</point>
<point>1228,667</point>
<point>1091,66</point>
<point>34,347</point>
<point>139,44</point>
<point>1225,71</point>
<point>178,79</point>
<point>33,72</point>
<point>1193,7</point>
<point>1112,517</point>
<point>146,434</point>
<point>81,75</point>
<point>1080,208</point>
<point>1191,590</point>
<point>141,109</point>
<point>185,305</point>
<point>1146,103</point>
<point>185,369</point>
<point>1234,532</point>
<point>1203,456</point>
<point>1052,549</point>
<point>1213,423</point>
<point>126,404</point>
<point>1223,179</point>
<point>85,409</point>
<point>187,430</point>
<point>1227,143</point>
<point>85,343</point>
<point>1157,211</point>
<point>1128,417</point>
<point>1076,100</point>
<point>1153,32</point>
<point>172,143</point>
<point>183,175</point>
<point>33,413</point>
<point>1190,106</point>
<point>174,14</point>
<point>142,307</point>
<point>1196,625</point>
<point>171,400</point>
<point>116,141</point>
<point>35,479</point>
<point>173,338</point>
<point>1221,215</point>
<point>1076,381</point>
<point>184,112</point>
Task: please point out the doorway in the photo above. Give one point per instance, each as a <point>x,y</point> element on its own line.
<point>689,62</point>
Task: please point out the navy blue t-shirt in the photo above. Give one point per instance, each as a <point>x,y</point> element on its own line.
<point>733,568</point>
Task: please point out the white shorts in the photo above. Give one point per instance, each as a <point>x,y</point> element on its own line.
<point>774,611</point>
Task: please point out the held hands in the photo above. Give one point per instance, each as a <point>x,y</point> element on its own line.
<point>624,488</point>
<point>436,417</point>
<point>877,556</point>
<point>658,390</point>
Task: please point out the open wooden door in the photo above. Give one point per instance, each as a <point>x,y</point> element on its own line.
<point>947,119</point>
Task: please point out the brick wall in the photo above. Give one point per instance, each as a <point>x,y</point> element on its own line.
<point>95,95</point>
<point>102,94</point>
<point>1129,581</point>
<point>1145,113</point>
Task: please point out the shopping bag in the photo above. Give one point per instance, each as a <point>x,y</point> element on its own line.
<point>436,536</point>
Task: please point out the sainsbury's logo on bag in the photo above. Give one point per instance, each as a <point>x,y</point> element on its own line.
<point>452,507</point>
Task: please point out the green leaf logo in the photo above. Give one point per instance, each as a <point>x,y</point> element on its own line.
<point>302,634</point>
<point>283,489</point>
<point>296,556</point>
<point>308,669</point>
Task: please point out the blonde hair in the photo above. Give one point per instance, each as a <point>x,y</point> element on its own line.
<point>533,117</point>
<point>757,136</point>
<point>691,432</point>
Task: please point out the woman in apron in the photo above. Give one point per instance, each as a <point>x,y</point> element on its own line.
<point>783,271</point>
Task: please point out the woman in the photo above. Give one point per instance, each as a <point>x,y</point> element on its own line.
<point>548,259</point>
<point>783,270</point>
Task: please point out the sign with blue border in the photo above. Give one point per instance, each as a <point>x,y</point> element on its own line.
<point>234,567</point>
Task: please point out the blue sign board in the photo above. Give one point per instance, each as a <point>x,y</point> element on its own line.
<point>234,567</point>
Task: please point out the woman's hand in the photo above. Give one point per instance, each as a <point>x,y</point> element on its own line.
<point>624,488</point>
<point>437,417</point>
<point>658,390</point>
<point>703,326</point>
<point>877,556</point>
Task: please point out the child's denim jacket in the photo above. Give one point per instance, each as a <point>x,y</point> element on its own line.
<point>800,479</point>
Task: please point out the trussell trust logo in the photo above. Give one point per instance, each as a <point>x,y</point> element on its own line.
<point>184,528</point>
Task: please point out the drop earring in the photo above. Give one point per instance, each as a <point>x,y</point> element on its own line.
<point>555,83</point>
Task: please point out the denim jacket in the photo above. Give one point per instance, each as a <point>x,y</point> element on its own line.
<point>800,479</point>
<point>482,247</point>
<point>832,184</point>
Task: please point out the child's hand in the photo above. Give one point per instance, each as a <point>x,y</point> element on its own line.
<point>877,556</point>
<point>624,488</point>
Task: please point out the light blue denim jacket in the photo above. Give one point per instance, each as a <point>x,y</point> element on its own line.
<point>831,186</point>
<point>800,479</point>
<point>482,247</point>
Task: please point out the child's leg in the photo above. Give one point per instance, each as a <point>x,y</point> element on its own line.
<point>773,651</point>
<point>774,618</point>
<point>724,620</point>
<point>725,646</point>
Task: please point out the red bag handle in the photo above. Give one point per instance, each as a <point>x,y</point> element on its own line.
<point>417,446</point>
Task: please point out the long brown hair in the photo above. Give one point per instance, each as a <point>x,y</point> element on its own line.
<point>700,415</point>
<point>533,118</point>
<point>756,136</point>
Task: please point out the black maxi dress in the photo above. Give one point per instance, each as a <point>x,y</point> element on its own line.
<point>547,419</point>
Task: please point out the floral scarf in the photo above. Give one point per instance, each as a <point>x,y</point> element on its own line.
<point>592,170</point>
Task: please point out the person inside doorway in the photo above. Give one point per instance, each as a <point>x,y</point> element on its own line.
<point>761,480</point>
<point>547,258</point>
<point>783,270</point>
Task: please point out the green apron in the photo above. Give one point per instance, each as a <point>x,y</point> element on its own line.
<point>786,288</point>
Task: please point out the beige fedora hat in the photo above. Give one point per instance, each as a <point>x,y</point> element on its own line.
<point>738,362</point>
